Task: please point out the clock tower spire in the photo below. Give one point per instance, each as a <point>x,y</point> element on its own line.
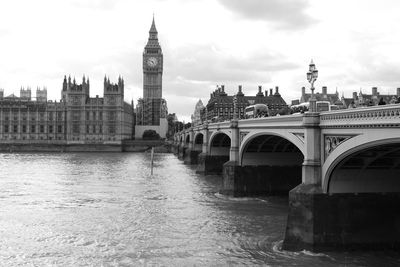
<point>152,78</point>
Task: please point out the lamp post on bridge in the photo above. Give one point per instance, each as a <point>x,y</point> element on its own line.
<point>235,117</point>
<point>206,120</point>
<point>312,76</point>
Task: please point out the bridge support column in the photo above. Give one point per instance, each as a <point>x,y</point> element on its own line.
<point>319,222</point>
<point>311,173</point>
<point>231,170</point>
<point>245,181</point>
<point>182,151</point>
<point>190,156</point>
<point>175,148</point>
<point>210,164</point>
<point>202,157</point>
<point>302,227</point>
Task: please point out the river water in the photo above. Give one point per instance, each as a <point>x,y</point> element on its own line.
<point>93,209</point>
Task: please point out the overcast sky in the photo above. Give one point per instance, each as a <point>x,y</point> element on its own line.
<point>354,45</point>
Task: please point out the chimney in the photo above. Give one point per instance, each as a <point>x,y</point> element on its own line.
<point>266,92</point>
<point>260,94</point>
<point>270,91</point>
<point>375,91</point>
<point>240,88</point>
<point>303,91</point>
<point>223,88</point>
<point>398,92</point>
<point>324,90</point>
<point>276,90</point>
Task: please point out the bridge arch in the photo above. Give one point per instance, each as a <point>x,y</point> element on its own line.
<point>220,144</point>
<point>364,164</point>
<point>198,141</point>
<point>187,139</point>
<point>286,141</point>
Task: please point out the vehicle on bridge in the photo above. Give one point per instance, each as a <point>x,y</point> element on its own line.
<point>321,107</point>
<point>256,111</point>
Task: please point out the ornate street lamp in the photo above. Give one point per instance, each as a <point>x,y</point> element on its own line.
<point>206,121</point>
<point>312,76</point>
<point>235,107</point>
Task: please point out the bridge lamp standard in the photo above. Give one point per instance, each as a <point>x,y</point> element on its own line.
<point>235,117</point>
<point>312,76</point>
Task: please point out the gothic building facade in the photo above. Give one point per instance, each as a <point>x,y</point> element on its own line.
<point>76,119</point>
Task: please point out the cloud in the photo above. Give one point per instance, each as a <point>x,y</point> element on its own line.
<point>289,14</point>
<point>206,64</point>
<point>95,4</point>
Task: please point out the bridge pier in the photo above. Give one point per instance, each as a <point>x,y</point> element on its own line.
<point>207,164</point>
<point>243,181</point>
<point>318,221</point>
<point>191,156</point>
<point>181,151</point>
<point>175,148</point>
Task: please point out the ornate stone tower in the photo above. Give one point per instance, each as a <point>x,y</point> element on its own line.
<point>152,79</point>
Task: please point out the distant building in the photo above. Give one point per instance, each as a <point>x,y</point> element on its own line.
<point>77,118</point>
<point>151,110</point>
<point>361,99</point>
<point>220,104</point>
<point>196,116</point>
<point>323,96</point>
<point>357,100</point>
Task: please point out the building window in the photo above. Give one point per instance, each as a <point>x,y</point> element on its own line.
<point>94,129</point>
<point>59,129</point>
<point>112,116</point>
<point>6,118</point>
<point>33,129</point>
<point>41,115</point>
<point>41,128</point>
<point>87,129</point>
<point>111,129</point>
<point>75,128</point>
<point>15,129</point>
<point>24,128</point>
<point>6,128</point>
<point>50,128</point>
<point>100,128</point>
<point>87,115</point>
<point>50,116</point>
<point>76,116</point>
<point>94,115</point>
<point>59,116</point>
<point>100,115</point>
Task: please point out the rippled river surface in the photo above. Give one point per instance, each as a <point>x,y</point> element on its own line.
<point>93,209</point>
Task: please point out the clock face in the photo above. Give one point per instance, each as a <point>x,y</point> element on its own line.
<point>152,62</point>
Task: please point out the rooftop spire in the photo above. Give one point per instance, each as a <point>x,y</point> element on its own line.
<point>153,26</point>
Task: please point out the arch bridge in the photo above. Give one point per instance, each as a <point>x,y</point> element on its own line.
<point>342,169</point>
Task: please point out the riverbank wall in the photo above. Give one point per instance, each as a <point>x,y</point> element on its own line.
<point>160,146</point>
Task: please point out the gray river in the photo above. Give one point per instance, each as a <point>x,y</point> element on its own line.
<point>93,209</point>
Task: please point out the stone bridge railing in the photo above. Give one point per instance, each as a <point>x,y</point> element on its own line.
<point>371,117</point>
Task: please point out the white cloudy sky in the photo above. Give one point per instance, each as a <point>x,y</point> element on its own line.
<point>205,42</point>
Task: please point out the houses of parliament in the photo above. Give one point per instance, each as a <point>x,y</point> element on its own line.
<point>79,118</point>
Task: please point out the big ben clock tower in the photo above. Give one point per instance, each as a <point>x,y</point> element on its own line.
<point>152,79</point>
